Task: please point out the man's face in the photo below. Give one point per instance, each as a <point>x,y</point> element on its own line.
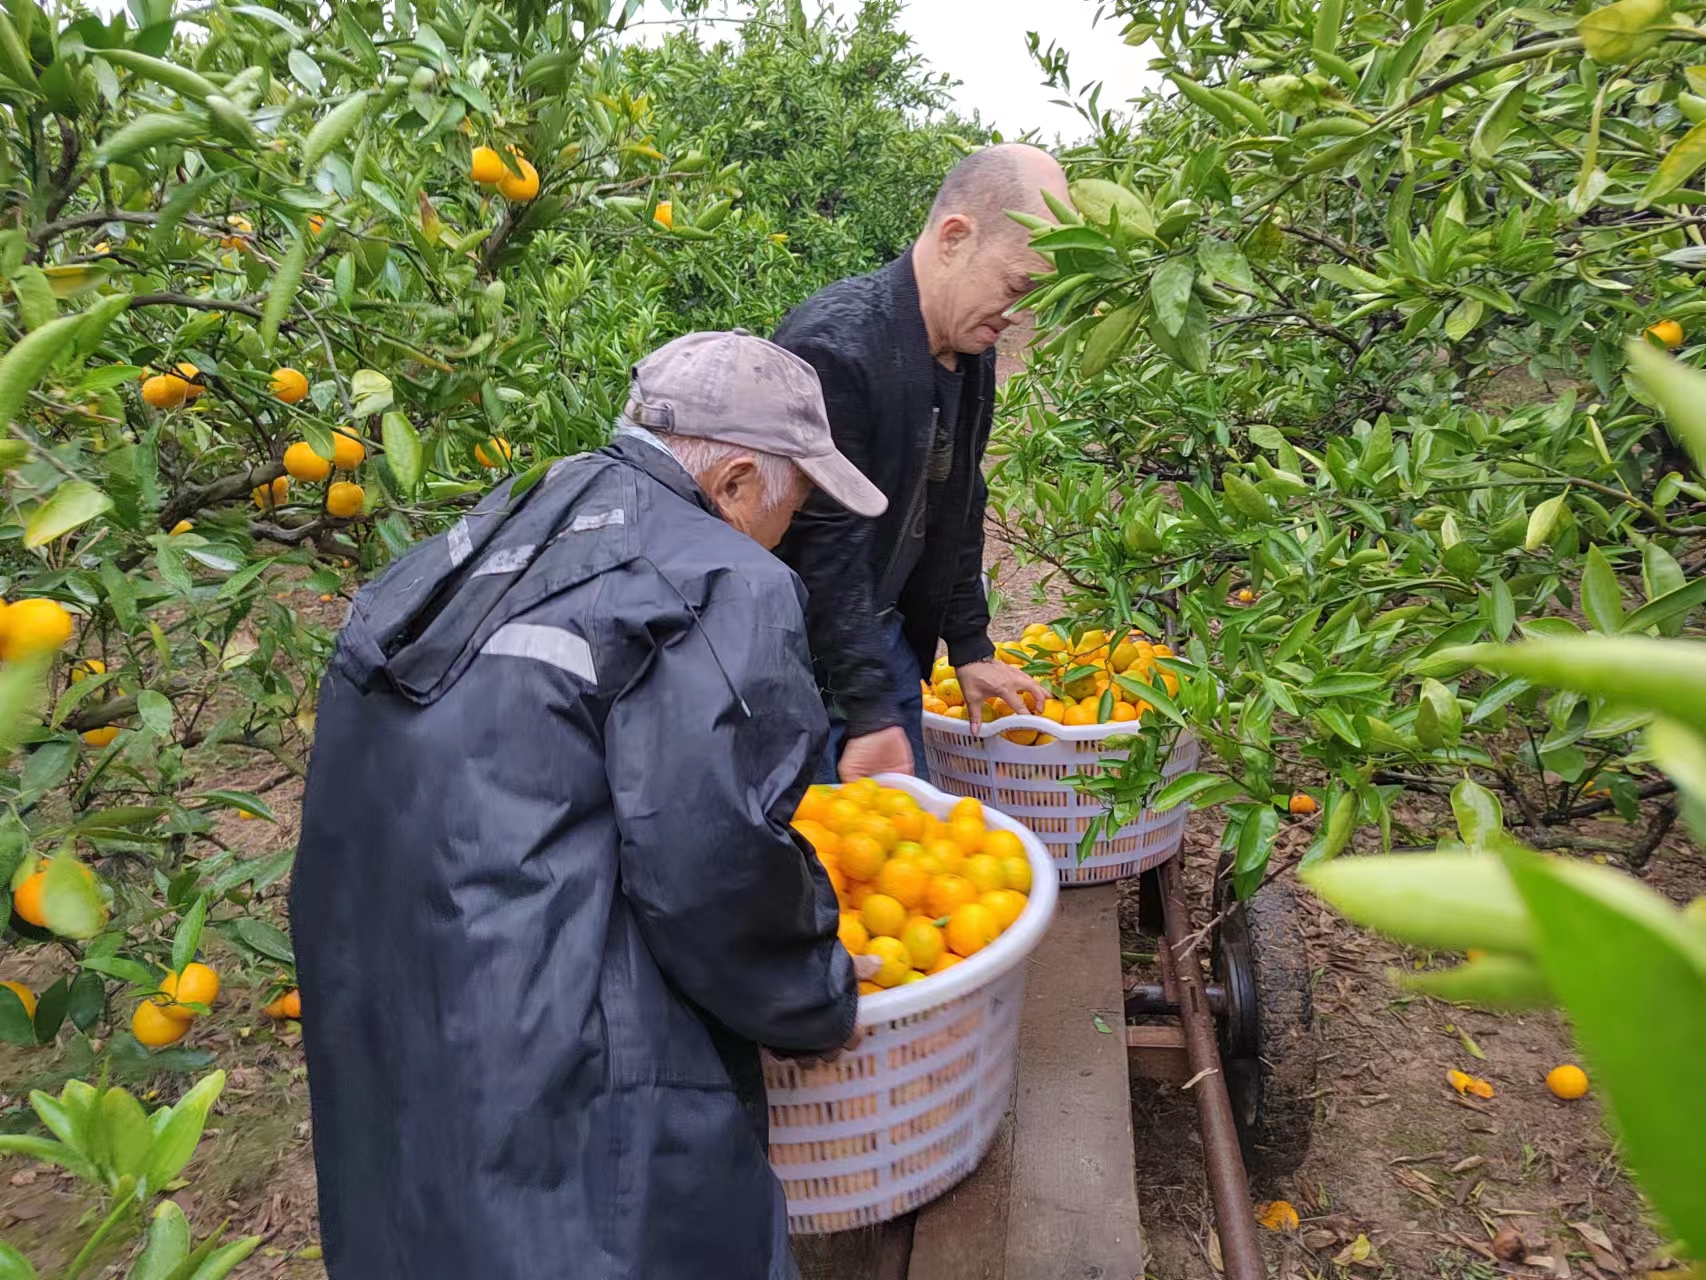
<point>988,270</point>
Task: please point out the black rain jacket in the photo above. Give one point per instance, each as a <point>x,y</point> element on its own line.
<point>547,904</point>
<point>866,339</point>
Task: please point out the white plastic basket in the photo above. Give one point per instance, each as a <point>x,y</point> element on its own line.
<point>1025,783</point>
<point>895,1122</point>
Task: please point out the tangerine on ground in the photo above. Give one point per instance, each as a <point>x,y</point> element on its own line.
<point>923,942</point>
<point>272,495</point>
<point>289,385</point>
<point>304,464</point>
<point>984,871</point>
<point>154,1027</point>
<point>494,453</point>
<point>102,737</point>
<point>861,857</point>
<point>345,499</point>
<point>288,1005</point>
<point>24,994</point>
<point>883,916</point>
<point>904,881</point>
<point>853,934</point>
<point>347,451</point>
<point>947,893</point>
<point>1568,1082</point>
<point>519,187</point>
<point>486,166</point>
<point>165,391</point>
<point>1303,804</point>
<point>897,960</point>
<point>36,626</point>
<point>971,928</point>
<point>1006,904</point>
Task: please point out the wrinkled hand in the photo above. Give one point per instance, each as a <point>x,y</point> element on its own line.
<point>991,679</point>
<point>867,967</point>
<point>885,751</point>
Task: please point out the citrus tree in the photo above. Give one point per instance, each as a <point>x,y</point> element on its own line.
<point>283,288</point>
<point>1335,379</point>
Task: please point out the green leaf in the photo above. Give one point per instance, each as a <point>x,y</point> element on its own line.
<point>1448,901</point>
<point>329,133</point>
<point>1632,973</point>
<point>72,504</point>
<point>177,1141</point>
<point>168,1244</point>
<point>1601,599</point>
<point>50,1011</point>
<point>30,358</point>
<point>1490,981</point>
<point>1170,292</point>
<point>134,972</point>
<point>13,1265</point>
<point>242,801</point>
<point>282,292</point>
<point>1504,609</point>
<point>15,1024</point>
<point>155,708</point>
<point>1110,337</point>
<point>1498,121</point>
<point>1623,32</point>
<point>71,901</point>
<point>372,392</point>
<point>1480,817</point>
<point>223,1260</point>
<point>1098,200</point>
<point>23,690</point>
<point>88,1000</point>
<point>1255,842</point>
<point>1680,164</point>
<point>264,938</point>
<point>1542,521</point>
<point>402,450</point>
<point>1182,789</point>
<point>1329,17</point>
<point>1668,609</point>
<point>188,936</point>
<point>128,1138</point>
<point>1679,390</point>
<point>1463,318</point>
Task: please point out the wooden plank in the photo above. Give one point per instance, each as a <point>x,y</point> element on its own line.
<point>1072,1209</point>
<point>1157,1052</point>
<point>872,1253</point>
<point>963,1235</point>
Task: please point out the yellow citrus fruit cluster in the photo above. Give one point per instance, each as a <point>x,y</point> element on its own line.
<point>1079,671</point>
<point>344,498</point>
<point>182,385</point>
<point>166,1018</point>
<point>489,170</point>
<point>919,893</point>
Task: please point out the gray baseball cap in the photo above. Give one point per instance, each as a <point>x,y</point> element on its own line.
<point>744,391</point>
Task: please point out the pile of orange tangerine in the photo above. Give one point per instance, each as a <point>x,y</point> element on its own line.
<point>1083,672</point>
<point>919,893</point>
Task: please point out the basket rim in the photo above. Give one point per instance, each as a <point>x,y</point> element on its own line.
<point>1025,720</point>
<point>1006,952</point>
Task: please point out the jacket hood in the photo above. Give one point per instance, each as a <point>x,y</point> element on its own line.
<point>418,626</point>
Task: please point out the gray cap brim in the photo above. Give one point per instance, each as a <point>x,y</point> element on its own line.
<point>845,483</point>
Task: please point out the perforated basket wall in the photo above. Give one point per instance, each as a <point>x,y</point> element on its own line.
<point>1025,783</point>
<point>895,1122</point>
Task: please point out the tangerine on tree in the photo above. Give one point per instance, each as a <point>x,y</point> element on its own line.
<point>287,1005</point>
<point>165,391</point>
<point>345,499</point>
<point>196,984</point>
<point>27,899</point>
<point>24,994</point>
<point>303,463</point>
<point>486,166</point>
<point>519,187</point>
<point>183,526</point>
<point>1668,332</point>
<point>1303,803</point>
<point>495,453</point>
<point>289,385</point>
<point>102,737</point>
<point>152,1026</point>
<point>268,496</point>
<point>664,215</point>
<point>35,626</point>
<point>347,451</point>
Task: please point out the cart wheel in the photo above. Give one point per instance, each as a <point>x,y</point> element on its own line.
<point>1266,1046</point>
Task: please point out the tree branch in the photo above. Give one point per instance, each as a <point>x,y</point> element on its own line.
<point>196,497</point>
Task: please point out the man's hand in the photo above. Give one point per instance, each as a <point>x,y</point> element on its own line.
<point>981,680</point>
<point>885,751</point>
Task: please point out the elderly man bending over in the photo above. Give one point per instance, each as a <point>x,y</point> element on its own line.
<point>547,904</point>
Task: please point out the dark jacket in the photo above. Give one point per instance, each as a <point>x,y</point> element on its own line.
<point>546,902</point>
<point>866,339</point>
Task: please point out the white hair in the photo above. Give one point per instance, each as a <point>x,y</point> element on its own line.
<point>780,478</point>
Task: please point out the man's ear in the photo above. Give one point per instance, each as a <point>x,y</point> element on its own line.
<point>954,235</point>
<point>735,481</point>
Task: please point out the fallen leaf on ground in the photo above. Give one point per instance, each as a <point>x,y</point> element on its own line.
<point>1600,1248</point>
<point>1276,1215</point>
<point>1358,1250</point>
<point>1508,1244</point>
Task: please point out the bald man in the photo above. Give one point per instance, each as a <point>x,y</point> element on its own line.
<point>906,357</point>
